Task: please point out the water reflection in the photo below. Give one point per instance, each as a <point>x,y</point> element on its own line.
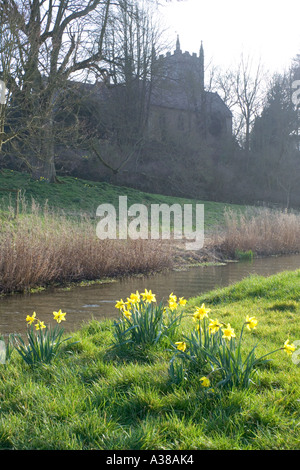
<point>84,303</point>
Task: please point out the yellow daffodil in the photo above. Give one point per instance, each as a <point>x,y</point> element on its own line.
<point>127,314</point>
<point>201,312</point>
<point>251,322</point>
<point>120,304</point>
<point>172,298</point>
<point>128,303</point>
<point>182,301</point>
<point>172,305</point>
<point>205,382</point>
<point>181,345</point>
<point>288,348</point>
<point>214,326</point>
<point>135,298</point>
<point>31,319</point>
<point>59,316</point>
<point>40,325</point>
<point>228,332</point>
<point>148,296</point>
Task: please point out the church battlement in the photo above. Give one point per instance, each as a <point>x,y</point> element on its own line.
<point>178,52</point>
<point>180,63</point>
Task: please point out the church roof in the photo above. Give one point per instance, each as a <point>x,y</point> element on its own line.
<point>178,85</point>
<point>181,100</point>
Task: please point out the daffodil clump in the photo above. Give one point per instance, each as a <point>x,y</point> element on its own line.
<point>43,341</point>
<point>40,325</point>
<point>213,348</point>
<point>143,321</point>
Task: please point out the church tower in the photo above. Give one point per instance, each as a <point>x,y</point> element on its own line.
<point>178,50</point>
<point>201,59</point>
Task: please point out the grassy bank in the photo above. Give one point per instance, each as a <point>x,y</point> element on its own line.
<point>76,196</point>
<point>93,398</point>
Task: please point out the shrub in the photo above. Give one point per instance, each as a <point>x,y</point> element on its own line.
<point>244,255</point>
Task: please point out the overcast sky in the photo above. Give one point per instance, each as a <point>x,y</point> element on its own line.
<point>266,30</point>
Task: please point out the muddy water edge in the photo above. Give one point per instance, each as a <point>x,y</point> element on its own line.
<point>82,303</point>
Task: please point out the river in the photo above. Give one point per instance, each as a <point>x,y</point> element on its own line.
<point>98,300</point>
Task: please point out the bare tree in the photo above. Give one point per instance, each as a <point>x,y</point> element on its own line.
<point>248,89</point>
<point>131,45</point>
<point>8,68</point>
<point>225,84</point>
<point>242,90</point>
<point>55,41</point>
<point>132,42</point>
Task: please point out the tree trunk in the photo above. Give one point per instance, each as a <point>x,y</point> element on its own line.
<point>49,171</point>
<point>44,165</point>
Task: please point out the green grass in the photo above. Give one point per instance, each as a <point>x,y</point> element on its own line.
<point>89,398</point>
<point>75,196</point>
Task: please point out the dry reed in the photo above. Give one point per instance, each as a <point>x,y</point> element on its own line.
<point>41,248</point>
<point>262,231</point>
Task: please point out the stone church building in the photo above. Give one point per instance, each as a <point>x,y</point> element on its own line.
<point>180,104</point>
<point>185,133</point>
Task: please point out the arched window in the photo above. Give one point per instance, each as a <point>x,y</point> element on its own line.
<point>181,123</point>
<point>162,123</point>
<point>215,126</point>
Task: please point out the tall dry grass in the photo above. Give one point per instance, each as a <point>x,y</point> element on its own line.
<point>42,248</point>
<point>263,231</point>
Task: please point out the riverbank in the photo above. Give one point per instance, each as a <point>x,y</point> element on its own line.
<point>53,241</point>
<point>92,398</point>
<point>46,245</point>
